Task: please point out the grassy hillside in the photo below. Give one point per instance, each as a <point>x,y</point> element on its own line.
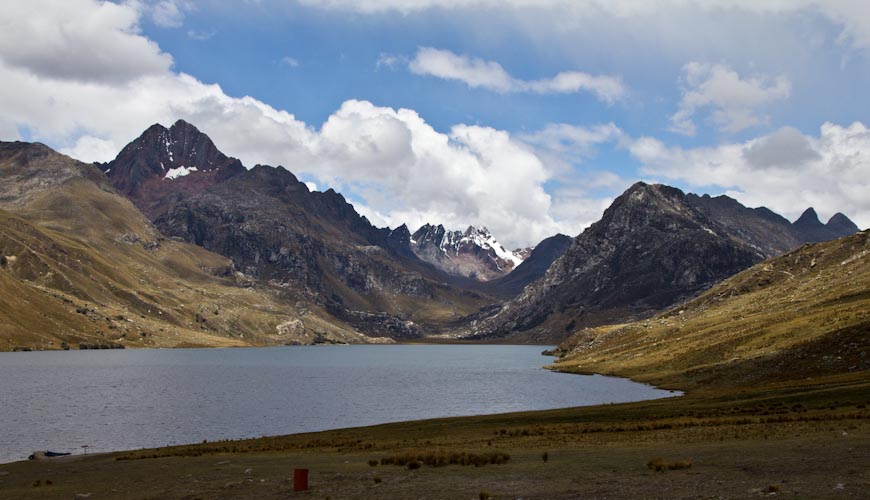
<point>80,264</point>
<point>804,314</point>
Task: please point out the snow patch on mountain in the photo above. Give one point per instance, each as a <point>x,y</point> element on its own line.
<point>175,173</point>
<point>474,252</point>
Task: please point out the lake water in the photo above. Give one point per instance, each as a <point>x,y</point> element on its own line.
<point>129,399</point>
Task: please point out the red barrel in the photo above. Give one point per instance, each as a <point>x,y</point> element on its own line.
<point>300,479</point>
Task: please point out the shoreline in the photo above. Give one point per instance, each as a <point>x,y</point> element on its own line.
<point>799,437</point>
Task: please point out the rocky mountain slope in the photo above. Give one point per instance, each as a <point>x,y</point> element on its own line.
<point>313,246</point>
<point>79,264</point>
<point>650,249</point>
<point>474,253</point>
<point>533,267</point>
<point>767,232</point>
<point>806,313</point>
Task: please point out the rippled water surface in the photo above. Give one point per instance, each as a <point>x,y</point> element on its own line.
<point>127,399</point>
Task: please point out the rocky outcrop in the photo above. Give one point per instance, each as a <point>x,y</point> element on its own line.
<point>651,249</point>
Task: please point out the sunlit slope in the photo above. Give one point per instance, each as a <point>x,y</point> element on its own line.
<point>80,264</point>
<point>804,314</point>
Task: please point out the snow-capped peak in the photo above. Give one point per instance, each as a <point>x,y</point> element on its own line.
<point>484,239</point>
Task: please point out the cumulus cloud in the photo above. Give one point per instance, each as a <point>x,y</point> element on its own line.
<point>290,61</point>
<point>733,101</point>
<point>393,164</point>
<point>784,171</point>
<point>82,40</point>
<point>408,172</point>
<point>490,75</point>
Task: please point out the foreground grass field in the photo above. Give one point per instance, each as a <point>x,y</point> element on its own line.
<point>808,440</point>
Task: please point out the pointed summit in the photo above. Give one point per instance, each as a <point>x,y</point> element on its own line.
<point>841,225</point>
<point>472,253</point>
<point>810,229</point>
<point>182,156</point>
<point>809,218</point>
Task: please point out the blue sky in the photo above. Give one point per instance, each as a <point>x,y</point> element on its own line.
<point>526,117</point>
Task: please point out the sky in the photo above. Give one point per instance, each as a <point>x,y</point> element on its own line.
<point>525,116</point>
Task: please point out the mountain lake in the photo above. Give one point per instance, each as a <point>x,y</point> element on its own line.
<point>113,400</point>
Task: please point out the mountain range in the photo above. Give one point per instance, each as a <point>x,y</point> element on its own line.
<point>174,243</point>
<point>474,253</point>
<point>804,312</point>
<point>654,247</point>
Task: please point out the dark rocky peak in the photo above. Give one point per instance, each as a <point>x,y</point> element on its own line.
<point>429,233</point>
<point>401,232</point>
<point>808,219</point>
<point>168,154</point>
<point>399,241</point>
<point>841,225</point>
<point>810,229</point>
<point>655,206</point>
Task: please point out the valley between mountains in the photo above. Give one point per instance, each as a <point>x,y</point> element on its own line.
<point>174,244</point>
<point>762,322</point>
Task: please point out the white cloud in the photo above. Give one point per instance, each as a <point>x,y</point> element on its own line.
<point>490,75</point>
<point>474,72</point>
<point>167,14</point>
<point>83,40</point>
<point>311,186</point>
<point>732,100</point>
<point>291,62</point>
<point>410,173</point>
<point>830,172</point>
<point>399,166</point>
